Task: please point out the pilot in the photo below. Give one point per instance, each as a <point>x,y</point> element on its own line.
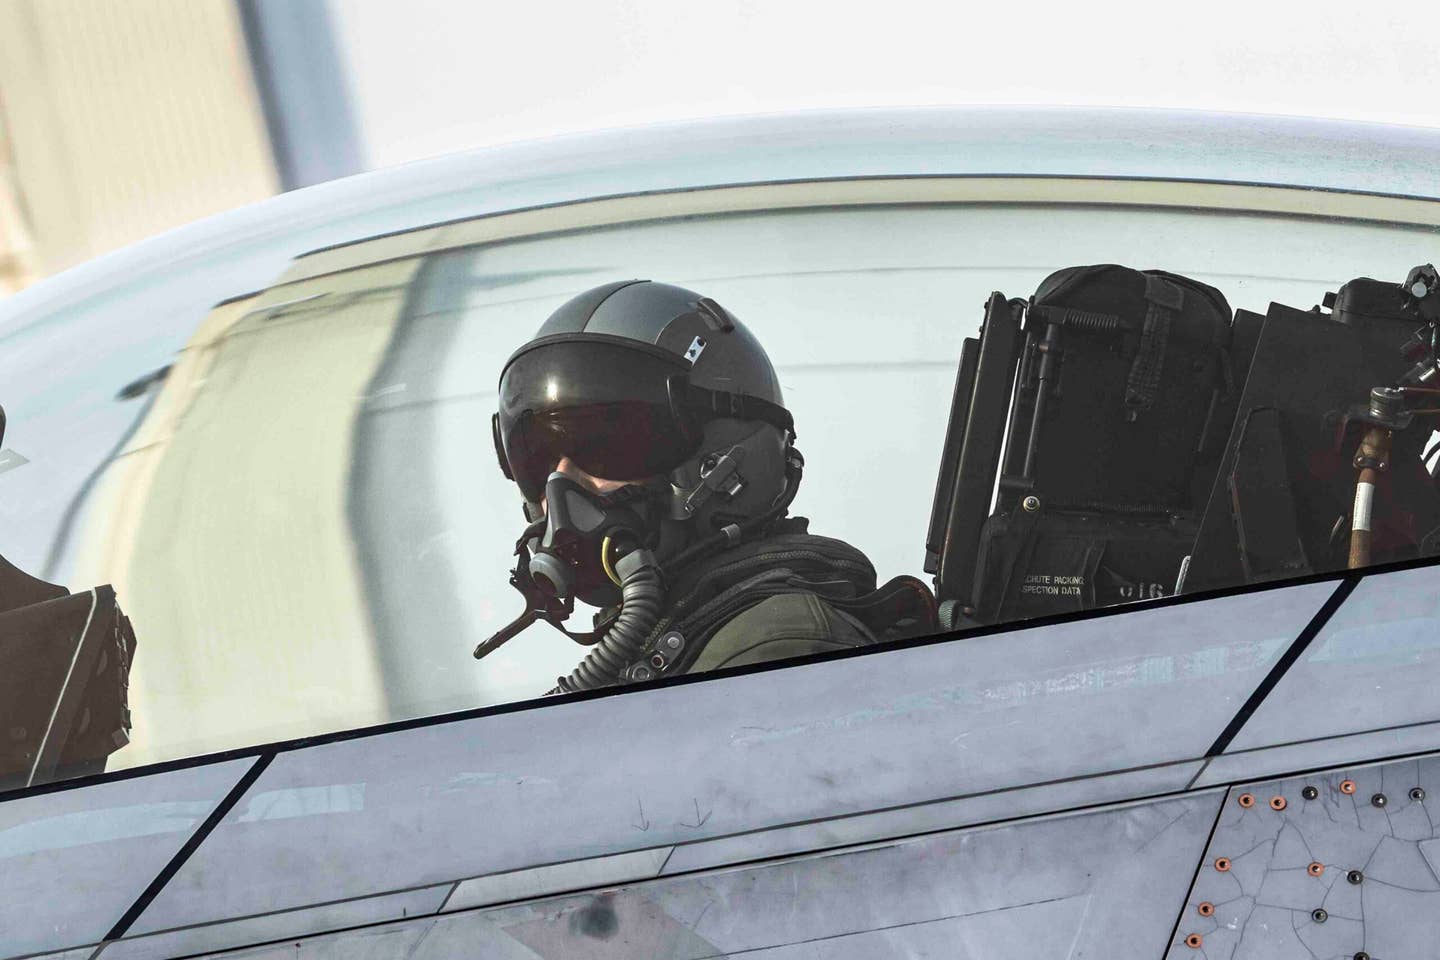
<point>645,428</point>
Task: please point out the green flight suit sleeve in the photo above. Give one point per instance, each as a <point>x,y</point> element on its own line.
<point>790,625</point>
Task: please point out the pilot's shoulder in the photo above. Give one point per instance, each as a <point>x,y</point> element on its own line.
<point>789,625</point>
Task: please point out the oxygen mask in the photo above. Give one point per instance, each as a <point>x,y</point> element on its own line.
<point>592,547</point>
<point>585,534</point>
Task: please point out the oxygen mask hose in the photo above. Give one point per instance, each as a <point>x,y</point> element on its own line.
<point>641,597</point>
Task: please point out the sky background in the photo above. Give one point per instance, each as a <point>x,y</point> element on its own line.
<point>435,76</point>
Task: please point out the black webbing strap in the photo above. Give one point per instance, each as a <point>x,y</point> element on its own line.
<point>1163,299</point>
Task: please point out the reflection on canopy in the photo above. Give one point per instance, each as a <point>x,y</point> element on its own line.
<point>302,517</point>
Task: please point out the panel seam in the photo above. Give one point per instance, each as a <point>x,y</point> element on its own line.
<point>122,926</point>
<point>448,894</point>
<point>1195,877</point>
<point>1198,774</point>
<point>1283,665</point>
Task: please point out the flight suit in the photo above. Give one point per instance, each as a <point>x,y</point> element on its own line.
<point>790,594</point>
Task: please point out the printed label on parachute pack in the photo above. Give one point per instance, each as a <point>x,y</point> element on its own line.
<point>1052,585</point>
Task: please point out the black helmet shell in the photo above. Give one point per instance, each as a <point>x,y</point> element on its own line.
<point>672,318</point>
<point>636,380</point>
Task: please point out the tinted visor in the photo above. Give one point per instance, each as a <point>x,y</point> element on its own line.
<point>603,404</point>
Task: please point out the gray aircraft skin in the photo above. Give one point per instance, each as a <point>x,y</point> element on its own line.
<point>1248,773</point>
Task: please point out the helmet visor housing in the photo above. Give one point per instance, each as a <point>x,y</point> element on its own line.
<point>605,404</point>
